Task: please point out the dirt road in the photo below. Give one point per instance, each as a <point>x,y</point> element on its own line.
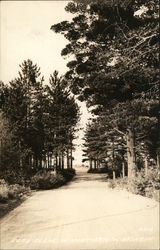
<point>84,214</point>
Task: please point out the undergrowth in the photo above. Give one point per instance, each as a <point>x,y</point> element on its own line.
<point>145,185</point>
<point>48,180</point>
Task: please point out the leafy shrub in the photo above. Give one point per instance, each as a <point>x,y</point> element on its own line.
<point>17,191</point>
<point>153,187</point>
<point>3,182</point>
<point>111,184</point>
<point>138,184</point>
<point>14,177</point>
<point>47,180</point>
<point>119,182</point>
<point>68,173</point>
<point>122,182</point>
<point>146,185</point>
<point>11,191</point>
<point>3,191</point>
<point>38,181</point>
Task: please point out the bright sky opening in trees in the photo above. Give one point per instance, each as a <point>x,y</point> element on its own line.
<point>26,34</point>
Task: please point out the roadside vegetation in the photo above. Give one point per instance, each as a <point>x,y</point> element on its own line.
<point>11,191</point>
<point>44,180</point>
<point>37,128</point>
<point>145,185</point>
<point>11,195</point>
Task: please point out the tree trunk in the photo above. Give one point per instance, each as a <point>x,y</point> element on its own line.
<point>114,175</point>
<point>62,160</point>
<point>36,162</point>
<point>158,161</point>
<point>95,166</point>
<point>123,170</point>
<point>19,147</point>
<point>146,166</point>
<point>48,161</point>
<point>90,164</point>
<point>51,161</point>
<point>40,161</point>
<point>68,158</point>
<point>71,159</point>
<point>1,151</point>
<point>98,164</point>
<point>56,162</point>
<point>131,154</point>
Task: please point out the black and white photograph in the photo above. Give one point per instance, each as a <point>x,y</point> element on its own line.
<point>79,125</point>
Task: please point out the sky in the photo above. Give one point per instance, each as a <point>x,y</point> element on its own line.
<point>25,34</point>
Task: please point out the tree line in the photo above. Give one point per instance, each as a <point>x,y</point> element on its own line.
<point>38,122</point>
<point>115,69</point>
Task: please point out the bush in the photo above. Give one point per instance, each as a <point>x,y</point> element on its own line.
<point>148,186</point>
<point>15,191</point>
<point>119,182</point>
<point>14,177</point>
<point>3,191</point>
<point>68,174</point>
<point>138,184</point>
<point>43,180</point>
<point>47,180</point>
<point>111,184</point>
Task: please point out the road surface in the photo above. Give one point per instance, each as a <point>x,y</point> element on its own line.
<point>85,214</point>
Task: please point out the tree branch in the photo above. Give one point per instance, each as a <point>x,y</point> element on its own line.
<point>120,132</point>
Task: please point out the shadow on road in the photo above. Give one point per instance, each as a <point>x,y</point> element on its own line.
<point>84,177</point>
<point>90,177</point>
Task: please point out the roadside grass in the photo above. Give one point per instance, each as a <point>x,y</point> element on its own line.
<point>145,185</point>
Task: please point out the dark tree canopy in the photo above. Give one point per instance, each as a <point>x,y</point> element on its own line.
<point>111,45</point>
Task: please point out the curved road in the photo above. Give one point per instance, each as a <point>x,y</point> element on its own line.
<point>85,214</point>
